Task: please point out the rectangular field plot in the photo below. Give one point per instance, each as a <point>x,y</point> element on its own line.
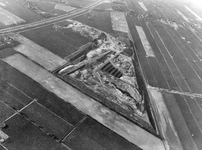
<point>58,41</point>
<point>49,7</point>
<point>98,19</point>
<point>17,8</point>
<point>7,18</point>
<point>111,6</point>
<point>73,3</point>
<point>64,8</point>
<point>119,22</point>
<point>37,53</point>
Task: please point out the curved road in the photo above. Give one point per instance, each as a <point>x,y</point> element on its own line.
<point>50,20</point>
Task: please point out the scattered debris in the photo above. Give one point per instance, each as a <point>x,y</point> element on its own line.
<point>170,23</point>
<point>174,22</point>
<point>84,30</point>
<point>6,41</point>
<point>118,8</point>
<point>106,69</point>
<point>63,2</point>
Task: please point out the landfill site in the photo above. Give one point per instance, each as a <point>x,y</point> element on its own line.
<point>100,75</point>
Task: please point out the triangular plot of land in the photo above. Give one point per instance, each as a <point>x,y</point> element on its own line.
<point>105,70</point>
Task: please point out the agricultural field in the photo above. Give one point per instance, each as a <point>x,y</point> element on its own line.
<point>97,19</point>
<point>8,18</point>
<point>18,8</point>
<point>57,38</point>
<point>119,22</point>
<point>15,12</point>
<point>73,3</point>
<point>111,6</point>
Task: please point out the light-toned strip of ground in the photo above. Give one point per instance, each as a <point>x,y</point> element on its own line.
<point>145,42</point>
<point>165,124</point>
<point>3,136</point>
<point>110,119</point>
<point>64,7</point>
<point>2,4</point>
<point>37,53</point>
<point>119,22</point>
<point>197,16</point>
<point>7,18</point>
<point>183,16</point>
<point>143,6</point>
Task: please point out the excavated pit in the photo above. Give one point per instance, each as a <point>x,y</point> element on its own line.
<point>105,71</point>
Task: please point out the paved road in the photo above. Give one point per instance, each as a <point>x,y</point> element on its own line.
<point>73,13</point>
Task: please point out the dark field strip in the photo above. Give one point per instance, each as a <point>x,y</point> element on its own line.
<point>191,77</point>
<point>195,43</point>
<point>5,112</point>
<point>182,32</point>
<point>162,63</point>
<point>198,33</point>
<point>35,91</point>
<point>150,8</point>
<point>194,83</point>
<point>147,71</point>
<point>170,62</point>
<point>6,52</point>
<point>189,50</point>
<point>47,120</point>
<point>199,101</point>
<point>100,20</point>
<point>52,40</point>
<point>154,64</point>
<point>195,64</point>
<point>140,49</point>
<point>25,135</point>
<point>153,61</point>
<point>188,34</point>
<point>157,48</point>
<point>91,135</point>
<point>169,57</point>
<point>196,111</point>
<point>179,114</point>
<point>189,119</point>
<point>134,5</point>
<point>12,97</point>
<point>190,108</point>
